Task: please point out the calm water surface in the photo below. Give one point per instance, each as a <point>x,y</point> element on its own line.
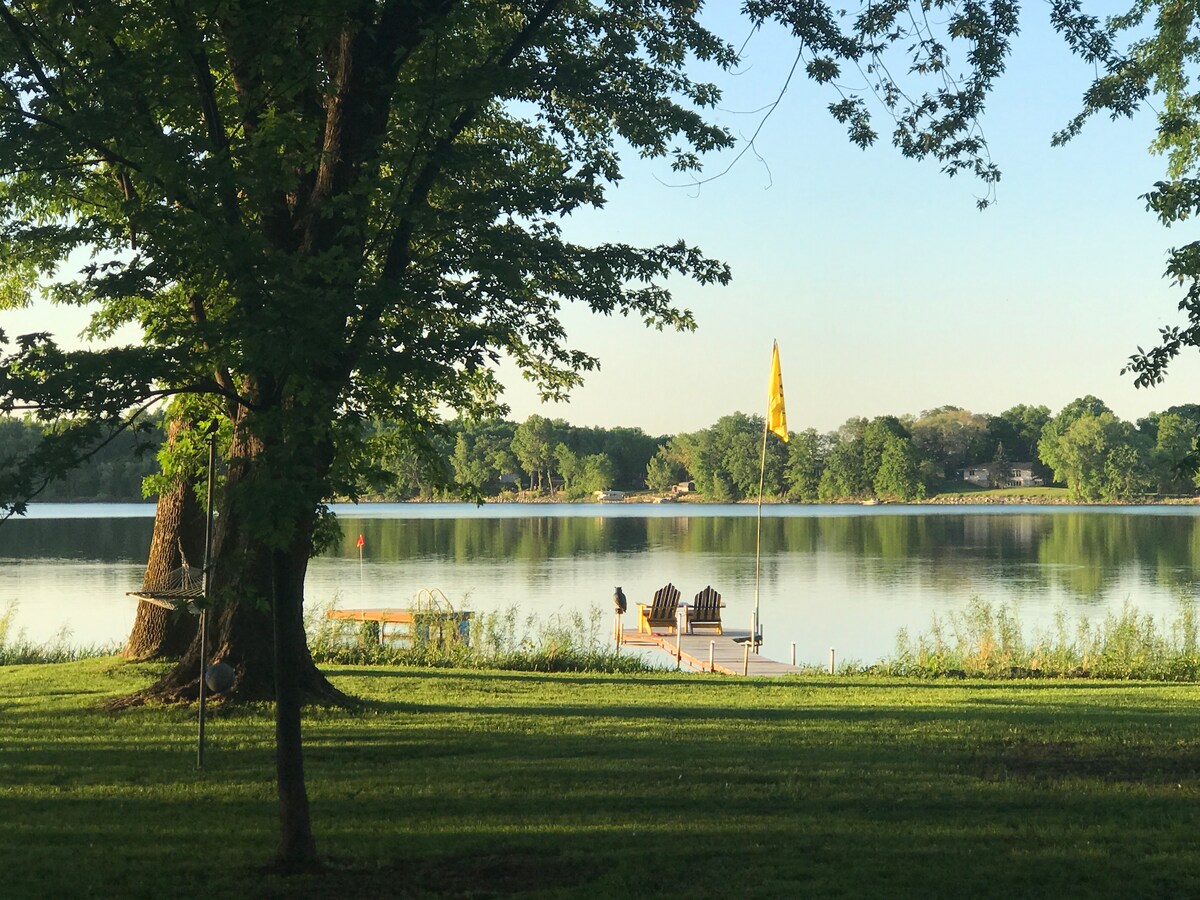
<point>832,576</point>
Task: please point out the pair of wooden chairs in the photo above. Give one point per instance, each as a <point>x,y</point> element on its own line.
<point>704,611</point>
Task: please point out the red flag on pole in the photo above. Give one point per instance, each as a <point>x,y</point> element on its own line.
<point>360,542</point>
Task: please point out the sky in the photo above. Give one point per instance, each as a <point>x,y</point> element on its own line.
<point>887,290</point>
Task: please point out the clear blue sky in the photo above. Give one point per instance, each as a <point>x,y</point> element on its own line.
<point>887,290</point>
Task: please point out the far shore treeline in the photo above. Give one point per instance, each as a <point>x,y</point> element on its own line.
<point>1084,448</point>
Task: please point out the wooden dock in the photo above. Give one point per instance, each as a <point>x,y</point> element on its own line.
<point>729,655</point>
<point>439,626</point>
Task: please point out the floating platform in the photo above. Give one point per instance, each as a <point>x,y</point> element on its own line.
<point>729,656</point>
<point>440,626</point>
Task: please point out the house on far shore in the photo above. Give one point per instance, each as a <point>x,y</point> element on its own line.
<point>684,487</point>
<point>610,495</point>
<point>1020,474</point>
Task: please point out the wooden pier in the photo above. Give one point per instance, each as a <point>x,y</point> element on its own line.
<point>439,626</point>
<point>729,656</point>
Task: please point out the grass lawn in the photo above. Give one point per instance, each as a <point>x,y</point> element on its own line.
<point>470,784</point>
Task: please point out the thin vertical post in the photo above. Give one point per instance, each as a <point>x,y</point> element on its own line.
<point>793,653</point>
<point>681,616</point>
<point>762,471</point>
<point>746,658</point>
<point>831,665</point>
<point>208,528</point>
<point>712,645</point>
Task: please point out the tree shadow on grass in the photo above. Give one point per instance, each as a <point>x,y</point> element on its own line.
<point>466,875</point>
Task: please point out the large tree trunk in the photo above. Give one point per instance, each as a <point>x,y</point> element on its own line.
<point>178,540</point>
<point>240,627</point>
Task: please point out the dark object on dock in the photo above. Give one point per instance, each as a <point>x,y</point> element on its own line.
<point>619,601</point>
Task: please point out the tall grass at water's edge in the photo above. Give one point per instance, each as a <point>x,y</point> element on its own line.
<point>17,649</point>
<point>987,641</point>
<point>564,642</point>
<point>982,641</point>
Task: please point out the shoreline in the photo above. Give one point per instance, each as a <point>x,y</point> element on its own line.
<point>655,500</point>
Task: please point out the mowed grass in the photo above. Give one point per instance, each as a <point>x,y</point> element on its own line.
<point>482,784</point>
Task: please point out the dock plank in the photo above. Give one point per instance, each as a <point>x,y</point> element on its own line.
<point>727,652</point>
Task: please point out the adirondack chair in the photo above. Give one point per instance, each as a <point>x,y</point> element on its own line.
<point>705,610</point>
<point>661,612</point>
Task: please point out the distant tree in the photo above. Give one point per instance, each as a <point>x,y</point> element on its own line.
<point>471,472</point>
<point>844,477</point>
<point>1000,468</point>
<point>876,437</point>
<point>725,460</point>
<point>953,437</point>
<point>1126,474</point>
<point>490,442</point>
<point>742,461</point>
<point>1173,459</point>
<point>1052,450</point>
<point>898,475</point>
<point>805,464</point>
<point>598,473</point>
<point>664,470</point>
<point>629,449</point>
<point>1019,429</point>
<point>403,466</point>
<point>533,446</point>
<point>1085,457</point>
<point>570,470</point>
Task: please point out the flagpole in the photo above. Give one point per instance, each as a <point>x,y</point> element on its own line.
<point>776,421</point>
<point>762,471</point>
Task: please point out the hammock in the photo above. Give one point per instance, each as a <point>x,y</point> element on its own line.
<point>176,591</point>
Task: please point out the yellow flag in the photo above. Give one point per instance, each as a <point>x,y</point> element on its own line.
<point>776,415</point>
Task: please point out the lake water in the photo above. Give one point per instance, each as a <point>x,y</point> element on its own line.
<point>846,577</point>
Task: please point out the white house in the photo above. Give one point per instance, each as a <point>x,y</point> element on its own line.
<point>1020,474</point>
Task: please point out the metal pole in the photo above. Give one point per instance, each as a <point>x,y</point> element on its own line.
<point>208,528</point>
<point>831,665</point>
<point>762,471</point>
<point>793,653</point>
<point>711,648</point>
<point>746,658</point>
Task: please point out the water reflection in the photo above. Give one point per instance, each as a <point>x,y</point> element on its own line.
<point>106,539</point>
<point>1084,553</point>
<point>830,577</point>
